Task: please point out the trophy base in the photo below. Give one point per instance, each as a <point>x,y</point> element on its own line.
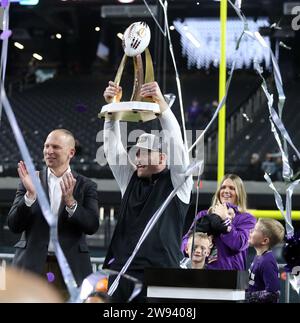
<point>132,111</point>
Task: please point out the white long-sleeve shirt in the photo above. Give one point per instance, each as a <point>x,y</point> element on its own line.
<point>178,159</point>
<point>55,195</point>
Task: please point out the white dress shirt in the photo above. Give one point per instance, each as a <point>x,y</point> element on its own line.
<point>55,195</point>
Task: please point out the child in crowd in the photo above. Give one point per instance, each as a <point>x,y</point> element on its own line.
<point>201,250</point>
<point>217,221</point>
<point>263,273</point>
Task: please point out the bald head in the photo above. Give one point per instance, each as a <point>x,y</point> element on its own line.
<point>25,287</point>
<point>66,136</point>
<point>59,149</point>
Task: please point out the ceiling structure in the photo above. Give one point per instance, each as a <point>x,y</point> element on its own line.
<point>36,27</point>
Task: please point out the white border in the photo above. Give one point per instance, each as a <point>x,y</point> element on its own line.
<point>195,293</point>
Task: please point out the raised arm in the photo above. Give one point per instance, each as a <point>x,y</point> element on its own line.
<point>178,158</point>
<point>115,152</point>
<point>20,215</point>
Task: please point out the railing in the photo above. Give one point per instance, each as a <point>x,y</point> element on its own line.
<point>97,263</point>
<point>107,223</point>
<point>235,123</point>
<point>101,239</point>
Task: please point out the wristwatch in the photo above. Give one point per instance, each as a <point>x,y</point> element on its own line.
<point>73,206</point>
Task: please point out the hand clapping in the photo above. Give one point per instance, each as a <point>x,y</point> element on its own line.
<point>67,187</point>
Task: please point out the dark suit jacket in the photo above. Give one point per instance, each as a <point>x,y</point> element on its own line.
<point>32,249</point>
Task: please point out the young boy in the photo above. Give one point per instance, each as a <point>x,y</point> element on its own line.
<point>263,273</point>
<point>202,247</point>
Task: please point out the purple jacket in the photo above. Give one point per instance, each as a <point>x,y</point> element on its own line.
<point>232,246</point>
<point>264,273</point>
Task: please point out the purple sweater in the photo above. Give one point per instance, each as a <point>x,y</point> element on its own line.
<point>264,286</point>
<point>232,246</point>
<point>264,273</point>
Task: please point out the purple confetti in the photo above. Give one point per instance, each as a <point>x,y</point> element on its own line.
<point>5,34</point>
<point>50,277</point>
<point>4,3</point>
<point>81,108</point>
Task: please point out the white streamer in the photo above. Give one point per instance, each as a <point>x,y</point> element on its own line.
<point>4,49</point>
<point>150,225</point>
<point>276,119</point>
<point>41,196</point>
<point>287,172</point>
<point>278,200</point>
<point>289,194</point>
<point>166,33</point>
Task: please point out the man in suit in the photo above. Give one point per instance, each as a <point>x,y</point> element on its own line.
<point>73,200</point>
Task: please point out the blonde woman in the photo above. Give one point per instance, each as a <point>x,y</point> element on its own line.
<point>231,244</point>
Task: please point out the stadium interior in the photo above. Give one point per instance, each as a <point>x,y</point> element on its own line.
<point>81,51</point>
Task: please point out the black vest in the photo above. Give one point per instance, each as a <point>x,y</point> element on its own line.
<point>141,200</point>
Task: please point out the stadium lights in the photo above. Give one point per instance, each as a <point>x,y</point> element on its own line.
<point>126,1</point>
<point>18,45</point>
<point>37,56</point>
<point>192,39</point>
<point>26,2</point>
<point>200,40</point>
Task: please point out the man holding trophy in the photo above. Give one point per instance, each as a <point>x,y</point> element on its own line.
<point>159,167</point>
